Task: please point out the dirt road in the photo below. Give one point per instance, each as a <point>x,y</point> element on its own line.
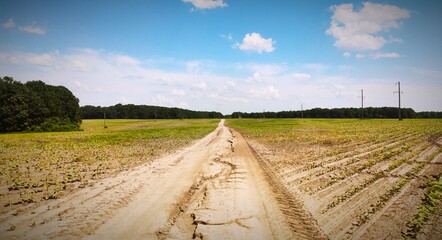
<point>214,189</point>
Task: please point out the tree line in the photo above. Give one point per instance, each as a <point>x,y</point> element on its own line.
<point>369,112</point>
<point>36,106</point>
<point>131,111</point>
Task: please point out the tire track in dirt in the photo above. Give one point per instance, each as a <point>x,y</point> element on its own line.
<point>235,200</point>
<point>213,189</point>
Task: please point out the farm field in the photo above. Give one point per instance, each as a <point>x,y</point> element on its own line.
<point>35,167</point>
<point>213,189</point>
<point>369,179</point>
<point>229,179</point>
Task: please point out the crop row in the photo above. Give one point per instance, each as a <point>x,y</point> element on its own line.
<point>374,158</point>
<point>430,202</point>
<point>357,149</point>
<point>390,192</point>
<point>336,163</point>
<point>375,176</point>
<point>371,153</point>
<point>314,157</point>
<point>393,190</point>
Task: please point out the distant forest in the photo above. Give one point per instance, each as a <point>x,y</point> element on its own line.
<point>131,111</point>
<point>369,112</point>
<point>36,106</point>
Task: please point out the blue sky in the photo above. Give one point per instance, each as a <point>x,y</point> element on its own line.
<point>229,55</point>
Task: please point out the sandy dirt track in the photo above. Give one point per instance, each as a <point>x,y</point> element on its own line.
<point>214,189</point>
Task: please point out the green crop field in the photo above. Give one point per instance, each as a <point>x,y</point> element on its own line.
<point>40,166</point>
<point>353,171</point>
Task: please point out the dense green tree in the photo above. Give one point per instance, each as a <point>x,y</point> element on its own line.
<point>14,110</point>
<point>34,106</point>
<point>58,101</point>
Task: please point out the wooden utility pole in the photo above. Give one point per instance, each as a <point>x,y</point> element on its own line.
<point>399,93</point>
<point>302,112</point>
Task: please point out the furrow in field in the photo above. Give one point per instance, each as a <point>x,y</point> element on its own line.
<point>378,158</point>
<point>394,193</point>
<point>396,167</point>
<point>317,164</point>
<point>341,164</point>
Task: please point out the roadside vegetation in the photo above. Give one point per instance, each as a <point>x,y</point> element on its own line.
<point>40,166</point>
<point>354,171</point>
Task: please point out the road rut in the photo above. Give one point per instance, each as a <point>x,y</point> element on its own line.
<point>214,189</point>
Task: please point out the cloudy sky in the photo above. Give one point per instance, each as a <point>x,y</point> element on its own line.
<point>229,55</point>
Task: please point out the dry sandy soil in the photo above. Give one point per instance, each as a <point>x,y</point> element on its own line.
<point>214,189</point>
<point>224,187</point>
<point>353,195</point>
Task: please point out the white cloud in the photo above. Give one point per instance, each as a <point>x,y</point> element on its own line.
<point>79,60</point>
<point>201,85</point>
<point>227,36</point>
<point>264,69</point>
<point>265,93</point>
<point>394,40</point>
<point>426,73</point>
<point>124,100</point>
<point>360,56</point>
<point>45,59</point>
<point>193,66</point>
<point>339,90</point>
<point>33,29</point>
<point>161,100</point>
<point>378,55</point>
<point>255,43</point>
<point>362,30</point>
<point>77,64</point>
<point>231,83</point>
<point>178,92</point>
<point>256,77</point>
<point>9,24</point>
<point>229,98</point>
<point>301,76</point>
<point>81,85</point>
<point>346,54</point>
<point>183,105</point>
<point>124,59</point>
<point>318,67</point>
<point>198,66</point>
<point>207,4</point>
